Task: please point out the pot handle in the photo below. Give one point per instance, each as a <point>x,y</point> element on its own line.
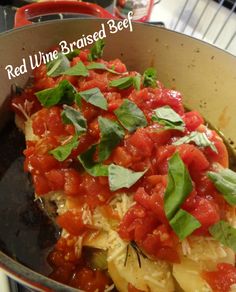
<point>25,13</point>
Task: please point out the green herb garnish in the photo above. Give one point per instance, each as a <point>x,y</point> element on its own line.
<point>122,83</point>
<point>100,66</point>
<point>179,186</point>
<point>121,177</point>
<point>183,223</point>
<point>200,139</point>
<point>137,82</point>
<point>93,96</point>
<point>225,183</point>
<point>58,66</point>
<point>73,116</point>
<point>130,116</point>
<point>223,232</point>
<point>111,135</point>
<point>78,70</point>
<point>96,51</point>
<point>150,77</point>
<point>93,168</point>
<point>62,152</point>
<point>70,56</point>
<point>63,93</point>
<point>167,117</point>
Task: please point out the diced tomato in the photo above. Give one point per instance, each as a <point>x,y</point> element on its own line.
<point>63,273</point>
<point>41,184</point>
<point>42,163</point>
<point>193,158</point>
<point>56,179</point>
<point>222,155</point>
<point>83,55</point>
<point>101,81</point>
<point>162,155</point>
<point>192,120</point>
<point>221,279</point>
<point>42,81</point>
<point>168,254</point>
<point>154,202</point>
<point>90,280</point>
<point>122,157</point>
<point>207,213</point>
<point>191,202</point>
<point>161,244</point>
<point>73,222</point>
<point>117,65</point>
<point>134,219</point>
<point>72,182</point>
<point>172,98</point>
<point>54,122</point>
<point>96,193</point>
<point>158,135</point>
<point>139,144</point>
<point>48,121</point>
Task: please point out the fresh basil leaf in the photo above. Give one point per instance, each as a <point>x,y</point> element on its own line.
<point>93,168</point>
<point>122,83</point>
<point>200,139</point>
<point>63,93</point>
<point>183,224</point>
<point>137,82</point>
<point>96,51</point>
<point>93,96</point>
<point>58,66</point>
<point>111,135</point>
<point>223,232</point>
<point>130,116</point>
<point>167,117</point>
<point>121,177</point>
<point>70,56</point>
<point>100,66</point>
<point>72,116</point>
<point>225,183</point>
<point>150,77</point>
<point>62,152</point>
<point>78,70</point>
<point>179,185</point>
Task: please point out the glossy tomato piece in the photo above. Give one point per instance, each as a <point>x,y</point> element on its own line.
<point>117,65</point>
<point>221,279</point>
<point>72,222</point>
<point>153,202</point>
<point>133,225</point>
<point>72,182</point>
<point>90,280</point>
<point>42,81</point>
<point>172,98</point>
<point>56,179</point>
<point>161,244</point>
<point>122,157</point>
<point>192,120</point>
<point>41,184</point>
<point>194,159</point>
<point>139,144</point>
<point>207,213</point>
<point>222,156</point>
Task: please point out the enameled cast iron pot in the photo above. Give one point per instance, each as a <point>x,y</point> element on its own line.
<point>205,75</point>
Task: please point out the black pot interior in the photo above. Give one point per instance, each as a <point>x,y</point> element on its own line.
<point>26,233</point>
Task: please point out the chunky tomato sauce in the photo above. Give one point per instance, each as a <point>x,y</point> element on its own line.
<point>147,148</point>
